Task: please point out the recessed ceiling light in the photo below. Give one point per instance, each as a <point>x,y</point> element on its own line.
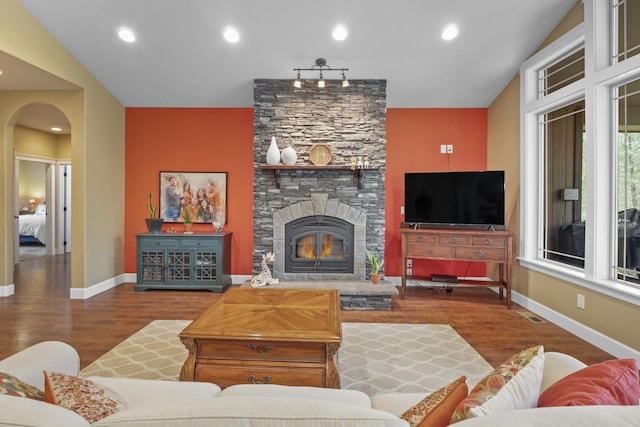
<point>450,32</point>
<point>56,129</point>
<point>231,35</point>
<point>340,33</point>
<point>126,34</point>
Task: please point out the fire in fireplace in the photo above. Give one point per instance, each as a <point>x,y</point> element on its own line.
<point>319,244</point>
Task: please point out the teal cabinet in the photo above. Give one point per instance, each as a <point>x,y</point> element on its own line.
<point>183,261</point>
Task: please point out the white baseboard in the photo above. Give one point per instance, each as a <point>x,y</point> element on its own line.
<point>7,290</point>
<point>93,290</point>
<point>592,336</point>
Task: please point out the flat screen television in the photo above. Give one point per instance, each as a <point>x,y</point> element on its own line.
<point>455,199</point>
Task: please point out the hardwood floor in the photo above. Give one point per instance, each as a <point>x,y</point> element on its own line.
<point>41,310</point>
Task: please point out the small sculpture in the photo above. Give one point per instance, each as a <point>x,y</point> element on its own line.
<point>264,278</point>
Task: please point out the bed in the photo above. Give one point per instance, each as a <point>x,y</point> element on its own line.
<point>33,228</point>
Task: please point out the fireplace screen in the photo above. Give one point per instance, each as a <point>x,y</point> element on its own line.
<point>319,244</point>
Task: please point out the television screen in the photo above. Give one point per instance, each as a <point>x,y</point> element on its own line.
<point>455,198</point>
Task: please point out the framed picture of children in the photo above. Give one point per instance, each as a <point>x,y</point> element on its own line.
<point>201,196</point>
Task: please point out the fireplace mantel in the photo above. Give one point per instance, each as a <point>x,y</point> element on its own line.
<point>357,173</point>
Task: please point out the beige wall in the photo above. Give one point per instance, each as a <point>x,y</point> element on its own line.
<point>602,313</point>
<point>97,145</point>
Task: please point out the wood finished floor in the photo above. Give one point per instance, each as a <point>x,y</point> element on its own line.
<point>41,310</point>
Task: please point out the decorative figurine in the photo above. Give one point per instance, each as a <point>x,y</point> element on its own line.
<point>353,163</point>
<point>264,278</point>
<point>360,164</point>
<point>366,163</point>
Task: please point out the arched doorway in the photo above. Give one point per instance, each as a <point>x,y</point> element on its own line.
<point>42,184</point>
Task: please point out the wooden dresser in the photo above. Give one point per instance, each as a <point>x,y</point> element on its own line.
<point>487,246</point>
<point>260,336</point>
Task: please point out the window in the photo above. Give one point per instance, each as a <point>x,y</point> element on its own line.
<point>627,101</point>
<point>580,153</point>
<point>564,228</point>
<point>626,14</point>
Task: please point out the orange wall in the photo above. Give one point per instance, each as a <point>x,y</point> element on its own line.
<point>414,136</point>
<point>190,140</point>
<point>221,139</point>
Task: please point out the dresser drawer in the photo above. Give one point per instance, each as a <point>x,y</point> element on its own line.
<point>274,351</point>
<point>227,375</point>
<point>429,251</point>
<point>497,242</point>
<point>480,254</point>
<point>453,239</point>
<point>151,243</point>
<point>198,243</point>
<point>422,238</point>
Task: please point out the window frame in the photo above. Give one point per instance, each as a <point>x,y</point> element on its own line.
<point>602,75</point>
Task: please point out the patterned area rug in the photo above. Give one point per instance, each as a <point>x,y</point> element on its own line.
<point>373,357</point>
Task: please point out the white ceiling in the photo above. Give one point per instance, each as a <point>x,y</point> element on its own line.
<point>181,60</point>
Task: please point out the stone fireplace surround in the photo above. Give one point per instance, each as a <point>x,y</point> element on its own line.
<point>319,204</point>
<point>352,122</point>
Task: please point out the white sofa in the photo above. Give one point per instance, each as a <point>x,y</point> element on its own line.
<point>173,403</point>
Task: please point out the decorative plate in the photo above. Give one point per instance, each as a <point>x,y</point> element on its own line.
<point>320,154</point>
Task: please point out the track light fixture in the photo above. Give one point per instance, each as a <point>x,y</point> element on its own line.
<point>320,65</point>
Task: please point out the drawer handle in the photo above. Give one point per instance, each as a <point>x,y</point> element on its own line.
<point>265,349</point>
<point>454,239</point>
<point>252,379</point>
<point>488,242</point>
<point>420,238</point>
<point>480,253</point>
<point>429,250</point>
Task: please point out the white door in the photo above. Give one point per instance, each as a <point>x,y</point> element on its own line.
<point>66,207</point>
<point>16,211</point>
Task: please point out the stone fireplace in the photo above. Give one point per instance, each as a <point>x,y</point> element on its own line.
<point>301,211</point>
<point>319,239</point>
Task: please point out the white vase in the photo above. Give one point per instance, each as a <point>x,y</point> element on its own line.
<point>273,153</point>
<point>289,156</point>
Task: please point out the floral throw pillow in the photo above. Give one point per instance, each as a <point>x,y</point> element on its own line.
<point>91,401</point>
<point>12,386</point>
<point>436,409</point>
<point>515,384</point>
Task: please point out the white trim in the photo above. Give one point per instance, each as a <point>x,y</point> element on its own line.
<point>93,290</point>
<point>7,290</point>
<point>592,336</point>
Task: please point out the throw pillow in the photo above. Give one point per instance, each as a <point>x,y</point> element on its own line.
<point>436,409</point>
<point>515,384</point>
<point>91,401</point>
<point>14,387</point>
<point>613,382</point>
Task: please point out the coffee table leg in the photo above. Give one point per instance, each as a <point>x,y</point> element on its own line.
<point>188,371</point>
<point>333,377</point>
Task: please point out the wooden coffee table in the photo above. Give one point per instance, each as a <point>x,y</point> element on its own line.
<point>261,335</point>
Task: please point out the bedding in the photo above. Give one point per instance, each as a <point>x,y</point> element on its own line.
<point>34,226</point>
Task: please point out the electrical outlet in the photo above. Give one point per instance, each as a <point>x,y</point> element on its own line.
<point>409,263</point>
<point>450,149</point>
<point>401,210</point>
<point>409,271</point>
<point>580,301</point>
<point>443,149</point>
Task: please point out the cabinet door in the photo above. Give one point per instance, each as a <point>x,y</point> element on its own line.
<point>206,266</point>
<point>179,265</point>
<point>152,265</point>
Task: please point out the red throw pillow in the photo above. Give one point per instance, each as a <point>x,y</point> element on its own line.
<point>613,382</point>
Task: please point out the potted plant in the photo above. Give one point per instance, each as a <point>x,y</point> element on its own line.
<point>154,225</point>
<point>376,265</point>
<point>187,220</point>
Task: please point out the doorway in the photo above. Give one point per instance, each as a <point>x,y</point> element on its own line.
<point>42,184</point>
